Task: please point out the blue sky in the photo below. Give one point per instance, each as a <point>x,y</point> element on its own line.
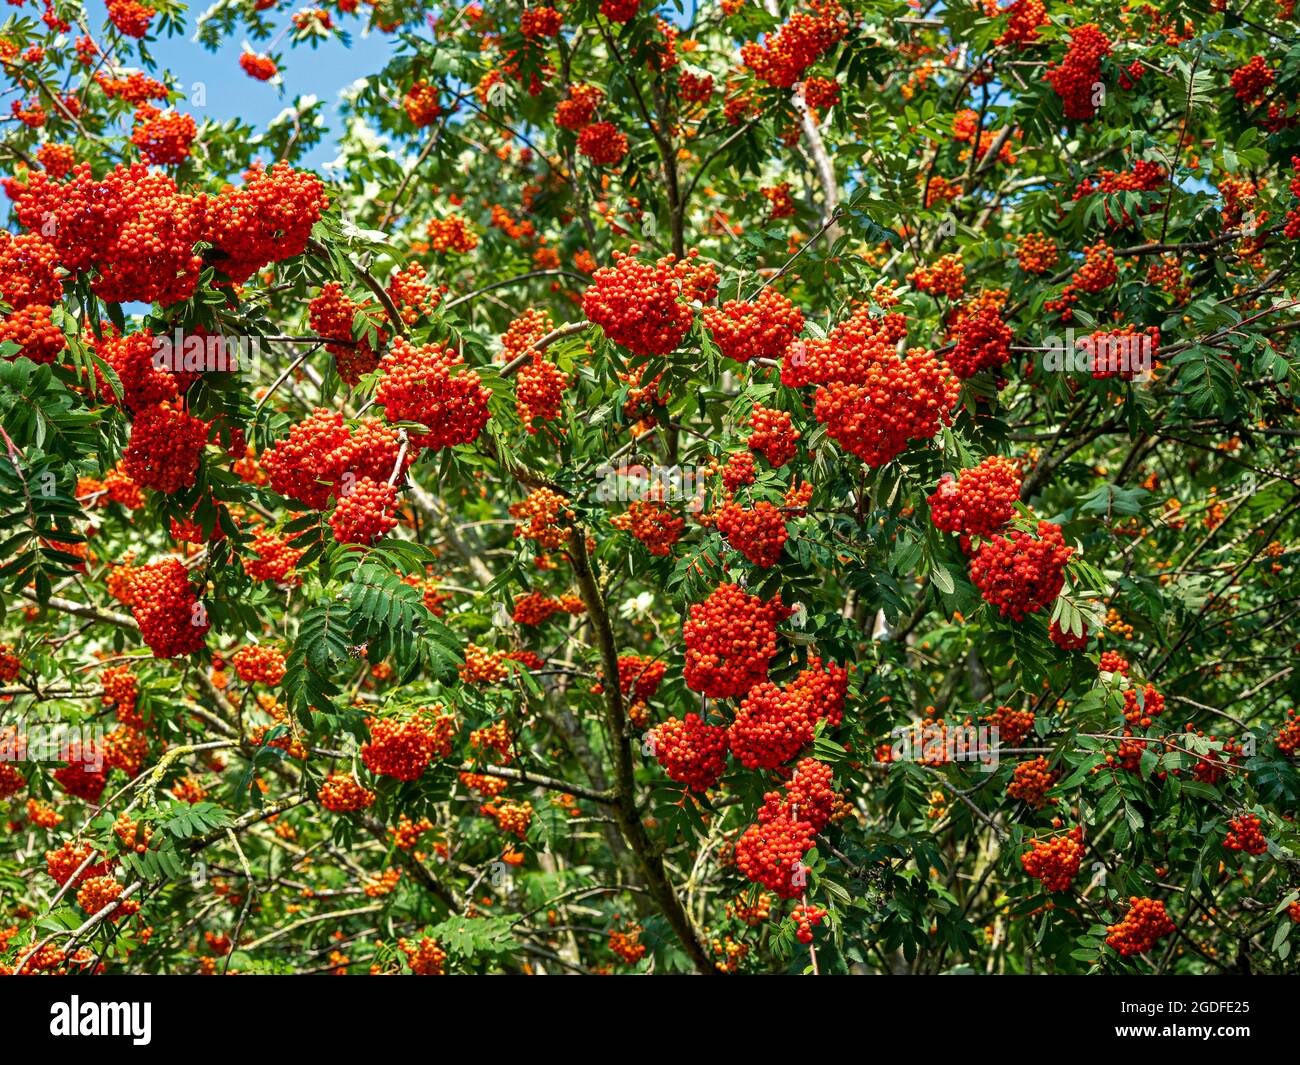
<point>231,93</point>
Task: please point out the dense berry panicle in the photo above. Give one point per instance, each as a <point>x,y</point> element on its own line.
<point>341,793</point>
<point>366,513</point>
<point>261,67</point>
<point>1037,253</point>
<point>773,435</point>
<point>1030,782</point>
<point>1252,80</point>
<point>983,342</point>
<point>772,725</point>
<point>1019,573</point>
<point>805,918</point>
<point>129,17</point>
<point>910,399</point>
<point>730,639</point>
<point>1055,861</point>
<point>758,533</point>
<point>424,956</point>
<point>166,607</point>
<point>1075,78</point>
<point>871,400</point>
<point>978,501</point>
<point>62,862</point>
<point>602,143</point>
<point>653,524</point>
<point>770,853</point>
<point>331,315</point>
<point>259,663</point>
<point>1245,834</point>
<point>761,329</point>
<point>267,219</point>
<point>539,391</point>
<point>578,110</point>
<point>947,277</point>
<point>639,676</point>
<point>163,137</point>
<point>165,447</point>
<point>427,385</point>
<point>28,270</point>
<point>1144,924</point>
<point>804,38</point>
<point>691,751</point>
<point>1023,19</point>
<point>639,305</point>
<point>403,747</point>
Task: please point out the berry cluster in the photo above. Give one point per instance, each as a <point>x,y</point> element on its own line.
<point>947,277</point>
<point>1036,253</point>
<point>1031,781</point>
<point>544,517</point>
<point>654,525</point>
<point>639,305</point>
<point>451,234</point>
<point>759,533</point>
<point>1142,705</point>
<point>640,676</point>
<point>625,942</point>
<point>424,957</point>
<point>769,851</point>
<point>1019,573</point>
<point>761,329</point>
<point>1145,923</point>
<point>539,389</point>
<point>1252,80</point>
<point>978,501</point>
<point>1066,640</point>
<point>331,315</point>
<point>1055,861</point>
<point>271,558</point>
<point>773,435</point>
<point>983,342</point>
<point>98,892</point>
<point>871,401</point>
<point>321,457</point>
<point>602,143</point>
<point>1014,726</point>
<point>261,67</point>
<point>578,110</point>
<point>266,220</point>
<point>1098,271</point>
<point>171,619</point>
<point>804,38</point>
<point>259,663</point>
<point>129,18</point>
<point>1075,78</point>
<point>418,385</point>
<point>1244,835</point>
<point>1023,19</point>
<point>341,793</point>
<point>366,513</point>
<point>730,639</point>
<point>739,471</point>
<point>163,137</point>
<point>805,919</point>
<point>691,751</point>
<point>402,748</point>
<point>537,607</point>
<point>84,775</point>
<point>774,724</point>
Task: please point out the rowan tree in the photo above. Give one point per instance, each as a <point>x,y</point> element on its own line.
<point>762,487</point>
